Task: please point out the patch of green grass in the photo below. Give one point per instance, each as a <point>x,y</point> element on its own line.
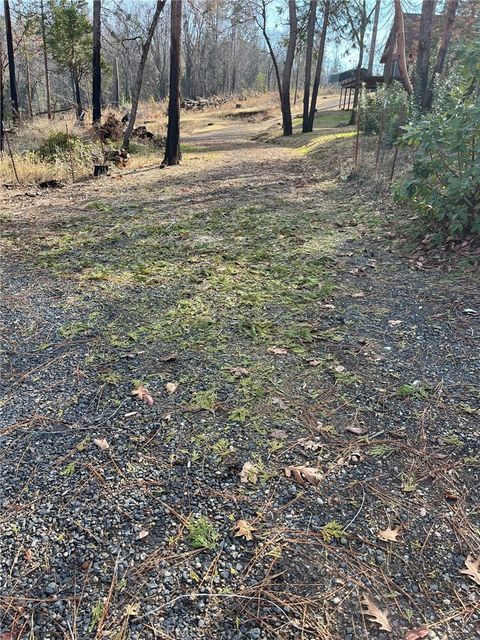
<point>332,531</point>
<point>202,533</point>
<point>381,451</point>
<point>415,390</point>
<point>222,448</point>
<point>68,470</point>
<point>205,400</point>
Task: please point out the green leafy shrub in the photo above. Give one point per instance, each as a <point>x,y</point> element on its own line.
<point>63,146</point>
<point>380,111</point>
<point>444,182</point>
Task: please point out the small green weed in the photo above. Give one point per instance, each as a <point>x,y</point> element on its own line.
<point>69,470</point>
<point>202,533</point>
<point>332,530</point>
<point>205,400</point>
<point>97,613</point>
<point>415,390</point>
<point>381,451</point>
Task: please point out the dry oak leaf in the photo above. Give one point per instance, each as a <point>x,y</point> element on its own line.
<point>278,351</point>
<point>473,569</point>
<point>278,434</point>
<point>314,363</point>
<point>168,357</point>
<point>101,443</point>
<point>249,473</point>
<point>394,323</point>
<point>142,394</point>
<point>238,372</point>
<point>143,533</point>
<point>389,534</point>
<point>243,529</point>
<point>303,474</point>
<point>171,387</point>
<point>375,614</point>
<point>415,634</point>
<point>358,431</point>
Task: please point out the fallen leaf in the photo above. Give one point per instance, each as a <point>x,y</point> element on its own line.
<point>339,368</point>
<point>278,351</point>
<point>132,609</point>
<point>311,445</point>
<point>142,394</point>
<point>358,431</point>
<point>450,495</point>
<point>249,473</point>
<point>314,363</point>
<point>279,402</point>
<point>389,534</point>
<point>394,323</point>
<point>415,634</point>
<point>243,529</point>
<point>278,434</point>
<point>238,372</point>
<point>130,414</point>
<point>101,443</point>
<point>8,635</point>
<point>358,294</point>
<point>473,569</point>
<point>28,555</point>
<point>171,387</point>
<point>303,474</point>
<point>143,533</point>
<point>168,357</point>
<point>375,613</point>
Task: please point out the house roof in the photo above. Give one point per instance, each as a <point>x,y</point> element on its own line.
<point>412,28</point>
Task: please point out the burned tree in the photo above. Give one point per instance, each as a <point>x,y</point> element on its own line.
<point>172,146</point>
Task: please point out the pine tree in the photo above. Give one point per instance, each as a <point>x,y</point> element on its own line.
<point>70,41</point>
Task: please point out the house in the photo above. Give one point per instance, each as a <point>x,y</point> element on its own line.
<point>412,28</point>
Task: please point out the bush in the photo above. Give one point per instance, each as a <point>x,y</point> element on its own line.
<point>64,147</point>
<point>380,111</point>
<point>444,182</point>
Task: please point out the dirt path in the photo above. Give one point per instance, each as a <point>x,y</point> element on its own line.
<point>258,298</point>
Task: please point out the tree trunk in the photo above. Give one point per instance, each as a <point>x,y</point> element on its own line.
<point>29,83</point>
<point>172,146</point>
<point>96,65</point>
<point>77,96</point>
<point>308,62</point>
<point>287,69</point>
<point>263,27</point>
<point>45,60</point>
<point>373,42</point>
<point>442,51</point>
<point>358,78</point>
<point>116,84</point>
<point>141,66</point>
<point>2,103</point>
<point>402,58</point>
<point>11,63</point>
<point>423,56</point>
<point>318,70</point>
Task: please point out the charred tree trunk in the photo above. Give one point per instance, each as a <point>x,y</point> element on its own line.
<point>287,69</point>
<point>308,62</point>
<point>116,84</point>
<point>423,56</point>
<point>141,66</point>
<point>402,58</point>
<point>442,51</point>
<point>373,42</point>
<point>11,62</point>
<point>96,65</point>
<point>318,70</point>
<point>2,103</point>
<point>45,60</point>
<point>29,83</point>
<point>172,146</point>
<point>77,96</point>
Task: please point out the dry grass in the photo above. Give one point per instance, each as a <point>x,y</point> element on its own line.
<point>30,169</point>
